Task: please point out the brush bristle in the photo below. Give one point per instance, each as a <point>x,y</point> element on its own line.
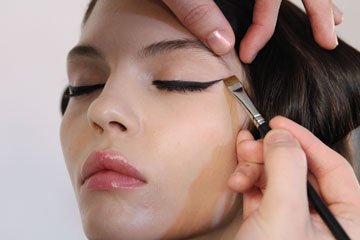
<point>231,81</point>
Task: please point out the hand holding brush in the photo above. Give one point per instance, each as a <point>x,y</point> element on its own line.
<point>281,209</point>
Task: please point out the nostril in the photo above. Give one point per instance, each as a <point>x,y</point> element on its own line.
<point>97,127</point>
<point>119,125</point>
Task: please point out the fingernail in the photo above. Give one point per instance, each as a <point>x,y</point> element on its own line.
<point>241,171</point>
<point>337,12</point>
<point>253,57</point>
<point>279,136</point>
<point>336,40</point>
<point>219,42</point>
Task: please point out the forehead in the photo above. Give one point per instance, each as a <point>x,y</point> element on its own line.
<point>131,24</point>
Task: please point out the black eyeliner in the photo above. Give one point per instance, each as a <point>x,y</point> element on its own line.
<point>179,84</point>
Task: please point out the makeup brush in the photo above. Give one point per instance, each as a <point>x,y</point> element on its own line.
<point>237,90</point>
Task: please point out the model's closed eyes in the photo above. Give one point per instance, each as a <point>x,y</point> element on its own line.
<point>170,86</point>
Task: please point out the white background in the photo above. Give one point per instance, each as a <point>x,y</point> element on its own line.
<point>36,196</point>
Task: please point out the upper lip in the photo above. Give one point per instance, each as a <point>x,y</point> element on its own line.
<point>109,160</point>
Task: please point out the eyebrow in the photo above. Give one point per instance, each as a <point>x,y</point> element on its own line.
<point>162,47</point>
<point>168,46</point>
<point>84,51</point>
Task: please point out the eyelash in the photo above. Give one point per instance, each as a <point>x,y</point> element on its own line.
<point>182,86</point>
<point>169,86</point>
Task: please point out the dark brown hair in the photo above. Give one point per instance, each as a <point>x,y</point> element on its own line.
<point>292,76</point>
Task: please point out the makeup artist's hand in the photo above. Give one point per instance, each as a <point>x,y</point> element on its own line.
<point>205,20</point>
<point>278,207</point>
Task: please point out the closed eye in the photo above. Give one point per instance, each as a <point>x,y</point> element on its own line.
<point>170,86</point>
<point>82,90</point>
<point>183,86</point>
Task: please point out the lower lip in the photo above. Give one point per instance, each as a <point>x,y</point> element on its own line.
<point>107,180</point>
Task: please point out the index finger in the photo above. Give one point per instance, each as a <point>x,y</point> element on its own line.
<point>206,21</point>
<point>336,178</point>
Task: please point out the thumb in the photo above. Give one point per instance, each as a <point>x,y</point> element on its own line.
<point>206,21</point>
<point>286,172</point>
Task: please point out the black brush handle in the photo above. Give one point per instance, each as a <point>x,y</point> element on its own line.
<point>316,201</point>
<point>264,129</point>
<point>325,214</point>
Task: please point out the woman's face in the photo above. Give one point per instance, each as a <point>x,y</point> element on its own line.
<point>181,142</point>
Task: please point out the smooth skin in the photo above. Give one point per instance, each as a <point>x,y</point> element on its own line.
<point>205,20</point>
<point>277,207</point>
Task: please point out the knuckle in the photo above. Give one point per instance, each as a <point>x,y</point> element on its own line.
<point>242,165</point>
<point>197,14</point>
<point>267,29</point>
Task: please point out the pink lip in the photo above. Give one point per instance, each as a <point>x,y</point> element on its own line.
<point>105,170</point>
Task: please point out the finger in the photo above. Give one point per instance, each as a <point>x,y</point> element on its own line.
<point>245,176</point>
<point>244,135</point>
<point>322,22</point>
<point>286,170</point>
<point>251,202</point>
<point>338,15</point>
<point>262,28</point>
<point>206,21</point>
<point>312,180</point>
<point>248,149</point>
<point>335,176</point>
<point>251,151</point>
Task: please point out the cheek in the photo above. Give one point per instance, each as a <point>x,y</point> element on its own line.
<point>197,149</point>
<point>192,136</point>
<point>74,137</point>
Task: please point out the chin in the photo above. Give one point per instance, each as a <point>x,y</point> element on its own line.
<point>103,229</point>
<point>112,227</point>
<point>103,220</point>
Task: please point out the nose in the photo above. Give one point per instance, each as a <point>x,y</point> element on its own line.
<point>109,114</point>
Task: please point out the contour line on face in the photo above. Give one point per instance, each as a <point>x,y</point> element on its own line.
<point>95,44</point>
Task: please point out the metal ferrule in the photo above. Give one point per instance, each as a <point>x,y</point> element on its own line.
<point>240,93</point>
